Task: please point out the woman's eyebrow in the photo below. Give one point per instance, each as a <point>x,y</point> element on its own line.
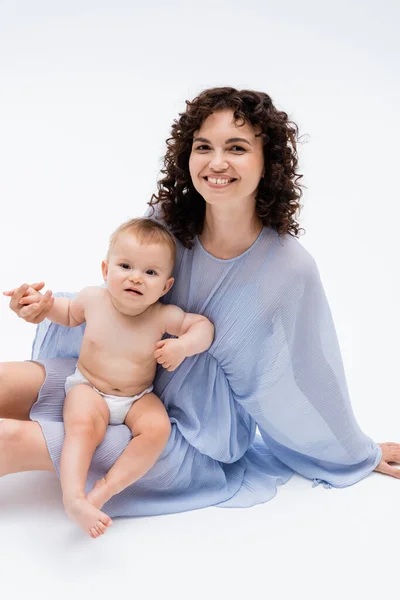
<point>230,141</point>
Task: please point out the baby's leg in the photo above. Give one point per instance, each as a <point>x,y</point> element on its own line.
<point>86,417</point>
<point>150,425</point>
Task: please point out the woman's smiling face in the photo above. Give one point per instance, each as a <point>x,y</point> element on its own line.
<point>227,160</point>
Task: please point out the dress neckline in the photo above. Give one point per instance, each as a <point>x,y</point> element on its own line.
<point>234,258</point>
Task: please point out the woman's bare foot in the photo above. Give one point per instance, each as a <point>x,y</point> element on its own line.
<point>99,494</point>
<point>89,518</point>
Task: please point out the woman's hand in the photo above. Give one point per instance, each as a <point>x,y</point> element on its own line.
<point>390,454</point>
<point>170,353</point>
<point>29,304</point>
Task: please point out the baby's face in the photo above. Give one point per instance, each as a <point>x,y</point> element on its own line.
<point>137,275</point>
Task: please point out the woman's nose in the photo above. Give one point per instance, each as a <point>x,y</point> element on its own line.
<point>218,162</point>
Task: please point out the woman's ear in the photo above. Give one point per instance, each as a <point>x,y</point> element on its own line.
<point>104,269</point>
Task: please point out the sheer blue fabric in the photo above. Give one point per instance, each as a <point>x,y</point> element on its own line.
<point>274,364</point>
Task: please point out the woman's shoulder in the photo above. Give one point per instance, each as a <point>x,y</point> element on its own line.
<point>293,258</point>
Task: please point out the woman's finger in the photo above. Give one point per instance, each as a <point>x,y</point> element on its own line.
<point>386,469</point>
<point>24,288</point>
<point>17,295</point>
<point>38,286</point>
<point>390,452</point>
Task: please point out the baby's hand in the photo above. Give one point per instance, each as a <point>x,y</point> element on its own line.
<point>170,353</point>
<point>29,304</point>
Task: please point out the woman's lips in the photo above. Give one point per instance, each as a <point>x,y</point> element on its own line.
<point>219,186</point>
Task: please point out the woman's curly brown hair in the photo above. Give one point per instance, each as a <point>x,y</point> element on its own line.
<point>278,194</point>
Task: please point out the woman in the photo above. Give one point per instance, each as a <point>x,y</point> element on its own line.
<point>229,194</point>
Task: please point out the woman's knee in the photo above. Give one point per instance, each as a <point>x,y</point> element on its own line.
<point>23,447</point>
<point>11,431</point>
<point>20,383</point>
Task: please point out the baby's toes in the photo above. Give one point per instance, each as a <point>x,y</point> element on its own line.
<point>105,520</point>
<point>100,528</point>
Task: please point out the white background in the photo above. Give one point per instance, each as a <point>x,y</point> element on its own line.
<point>88,91</point>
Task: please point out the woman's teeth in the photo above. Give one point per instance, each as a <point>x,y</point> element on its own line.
<point>219,180</point>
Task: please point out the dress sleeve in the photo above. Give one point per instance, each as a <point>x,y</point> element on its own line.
<point>297,391</point>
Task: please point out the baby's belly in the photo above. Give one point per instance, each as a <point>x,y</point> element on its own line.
<point>117,376</point>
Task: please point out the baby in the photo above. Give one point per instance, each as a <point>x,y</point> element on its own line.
<point>120,350</point>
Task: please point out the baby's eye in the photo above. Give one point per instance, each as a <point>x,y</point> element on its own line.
<point>151,272</point>
<point>124,266</point>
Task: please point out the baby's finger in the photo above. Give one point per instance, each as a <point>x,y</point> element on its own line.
<point>25,300</point>
<point>29,311</point>
<point>42,315</point>
<point>35,297</point>
<point>160,344</point>
<point>45,304</point>
<point>158,353</point>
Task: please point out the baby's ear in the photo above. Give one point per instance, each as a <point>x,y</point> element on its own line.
<point>104,269</point>
<point>168,285</point>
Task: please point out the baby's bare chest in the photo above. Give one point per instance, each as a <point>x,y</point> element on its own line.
<point>111,333</point>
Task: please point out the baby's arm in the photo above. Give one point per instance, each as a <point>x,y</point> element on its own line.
<point>69,312</point>
<point>195,334</point>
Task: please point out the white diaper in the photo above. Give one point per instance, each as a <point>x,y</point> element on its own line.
<point>118,405</point>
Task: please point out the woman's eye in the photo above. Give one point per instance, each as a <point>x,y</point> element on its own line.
<point>124,266</point>
<point>238,149</point>
<point>202,147</point>
<point>151,272</point>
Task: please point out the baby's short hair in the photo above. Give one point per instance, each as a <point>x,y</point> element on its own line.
<point>146,231</point>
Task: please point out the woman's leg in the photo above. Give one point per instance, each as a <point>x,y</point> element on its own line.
<point>85,421</point>
<point>20,383</point>
<point>22,444</point>
<point>23,448</point>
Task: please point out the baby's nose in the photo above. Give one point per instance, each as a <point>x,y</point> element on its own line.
<point>135,276</point>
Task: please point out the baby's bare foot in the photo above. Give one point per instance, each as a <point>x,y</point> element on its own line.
<point>99,494</point>
<point>89,518</point>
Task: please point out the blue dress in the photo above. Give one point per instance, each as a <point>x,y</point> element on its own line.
<point>268,398</point>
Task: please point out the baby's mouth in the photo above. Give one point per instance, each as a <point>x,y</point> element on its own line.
<point>133,292</point>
